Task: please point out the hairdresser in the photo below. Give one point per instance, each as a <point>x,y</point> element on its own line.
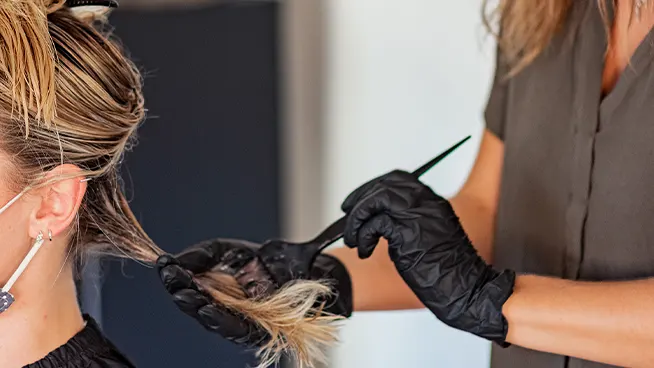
<point>548,248</point>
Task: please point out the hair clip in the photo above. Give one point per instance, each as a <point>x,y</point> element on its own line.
<point>105,3</point>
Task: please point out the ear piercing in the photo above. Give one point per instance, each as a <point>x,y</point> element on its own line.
<point>49,234</point>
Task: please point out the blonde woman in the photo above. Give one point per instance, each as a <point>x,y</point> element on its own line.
<point>559,200</point>
<point>70,104</point>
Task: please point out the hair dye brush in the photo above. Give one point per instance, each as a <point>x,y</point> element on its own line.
<point>284,261</point>
<point>244,291</point>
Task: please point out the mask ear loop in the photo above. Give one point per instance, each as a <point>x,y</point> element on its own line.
<point>26,261</point>
<point>13,200</point>
<point>6,299</point>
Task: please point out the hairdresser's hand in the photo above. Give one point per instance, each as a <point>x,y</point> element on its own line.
<point>431,252</point>
<point>222,255</point>
<point>287,262</point>
<point>242,261</point>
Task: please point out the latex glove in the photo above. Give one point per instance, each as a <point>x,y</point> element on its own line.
<point>431,252</point>
<point>226,255</point>
<point>244,261</point>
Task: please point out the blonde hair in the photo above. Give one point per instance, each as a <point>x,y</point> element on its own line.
<point>69,95</point>
<point>524,28</point>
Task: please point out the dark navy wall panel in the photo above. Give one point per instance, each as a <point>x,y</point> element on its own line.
<point>206,164</point>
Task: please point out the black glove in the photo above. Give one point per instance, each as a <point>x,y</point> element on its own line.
<point>431,251</point>
<point>245,262</point>
<point>286,262</point>
<point>225,255</point>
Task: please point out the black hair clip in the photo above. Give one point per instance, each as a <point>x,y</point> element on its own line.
<point>106,3</point>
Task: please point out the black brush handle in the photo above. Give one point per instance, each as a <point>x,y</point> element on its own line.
<point>335,231</point>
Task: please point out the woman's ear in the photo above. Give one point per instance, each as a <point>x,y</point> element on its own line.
<point>59,201</point>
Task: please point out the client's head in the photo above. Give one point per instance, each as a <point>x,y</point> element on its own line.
<point>70,103</point>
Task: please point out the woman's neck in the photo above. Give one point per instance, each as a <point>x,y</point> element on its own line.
<point>43,317</point>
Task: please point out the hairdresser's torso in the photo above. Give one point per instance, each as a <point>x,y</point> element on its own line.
<point>576,199</point>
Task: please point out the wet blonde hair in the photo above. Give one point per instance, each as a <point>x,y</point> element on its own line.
<point>69,95</point>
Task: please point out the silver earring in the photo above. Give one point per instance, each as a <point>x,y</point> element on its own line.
<point>49,234</point>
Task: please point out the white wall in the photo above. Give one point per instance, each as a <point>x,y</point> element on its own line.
<point>405,80</point>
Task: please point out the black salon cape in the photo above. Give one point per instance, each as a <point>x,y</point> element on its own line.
<point>88,349</point>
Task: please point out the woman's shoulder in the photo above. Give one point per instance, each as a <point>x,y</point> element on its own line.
<point>89,348</point>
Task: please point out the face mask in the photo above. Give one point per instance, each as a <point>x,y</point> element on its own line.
<point>6,299</point>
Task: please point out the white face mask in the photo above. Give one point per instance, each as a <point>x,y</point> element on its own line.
<point>6,299</point>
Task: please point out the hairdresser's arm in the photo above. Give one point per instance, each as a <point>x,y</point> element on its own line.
<point>475,204</point>
<point>608,322</point>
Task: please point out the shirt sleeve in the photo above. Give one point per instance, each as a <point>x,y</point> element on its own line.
<point>495,111</point>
